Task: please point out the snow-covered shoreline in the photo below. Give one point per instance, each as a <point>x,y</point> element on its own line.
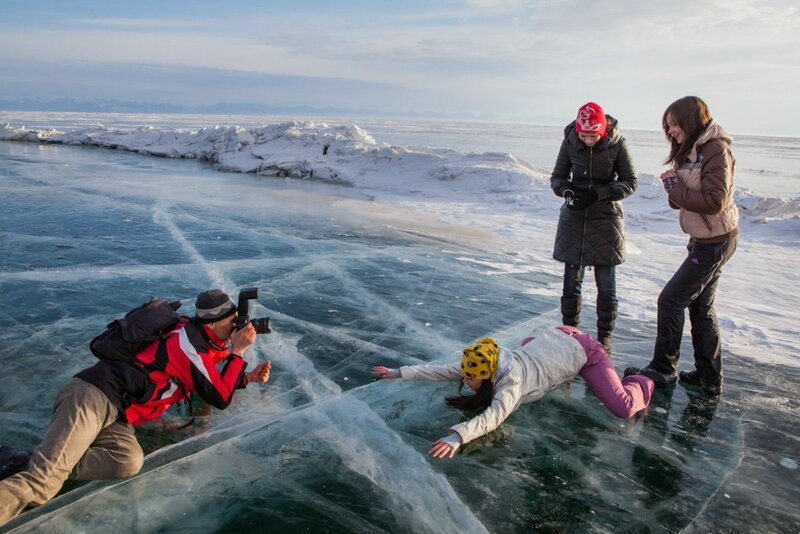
<point>345,154</point>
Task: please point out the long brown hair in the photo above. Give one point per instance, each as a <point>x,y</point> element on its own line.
<point>693,116</point>
<point>481,399</point>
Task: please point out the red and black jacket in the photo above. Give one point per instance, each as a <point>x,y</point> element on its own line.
<point>167,372</point>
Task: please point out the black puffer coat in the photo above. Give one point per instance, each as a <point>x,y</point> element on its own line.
<point>596,235</point>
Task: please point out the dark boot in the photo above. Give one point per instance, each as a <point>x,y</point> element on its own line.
<point>661,380</point>
<point>12,461</point>
<point>693,378</point>
<point>606,318</point>
<point>571,311</point>
<point>605,340</point>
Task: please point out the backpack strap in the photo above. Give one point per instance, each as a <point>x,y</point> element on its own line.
<point>161,359</point>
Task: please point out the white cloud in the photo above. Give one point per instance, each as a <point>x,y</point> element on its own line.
<point>489,56</point>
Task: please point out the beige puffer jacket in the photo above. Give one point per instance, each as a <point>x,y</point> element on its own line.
<point>704,193</point>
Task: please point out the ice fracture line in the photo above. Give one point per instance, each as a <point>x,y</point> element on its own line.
<point>162,217</point>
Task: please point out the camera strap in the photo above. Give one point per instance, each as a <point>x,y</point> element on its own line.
<point>196,329</point>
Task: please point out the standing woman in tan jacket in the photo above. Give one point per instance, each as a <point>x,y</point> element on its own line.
<point>700,185</point>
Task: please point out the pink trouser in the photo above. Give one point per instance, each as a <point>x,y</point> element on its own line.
<point>623,397</point>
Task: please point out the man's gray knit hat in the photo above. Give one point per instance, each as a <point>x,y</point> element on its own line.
<point>213,305</point>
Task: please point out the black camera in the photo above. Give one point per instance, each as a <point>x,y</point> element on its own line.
<point>261,324</point>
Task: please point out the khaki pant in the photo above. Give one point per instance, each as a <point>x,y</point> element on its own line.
<point>83,442</point>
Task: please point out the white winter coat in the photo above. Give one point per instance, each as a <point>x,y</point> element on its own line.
<point>524,374</point>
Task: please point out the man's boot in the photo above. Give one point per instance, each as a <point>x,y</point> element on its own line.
<point>12,461</point>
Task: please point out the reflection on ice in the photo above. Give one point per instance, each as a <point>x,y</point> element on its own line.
<point>332,465</point>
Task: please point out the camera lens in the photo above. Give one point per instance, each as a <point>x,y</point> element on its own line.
<point>261,325</point>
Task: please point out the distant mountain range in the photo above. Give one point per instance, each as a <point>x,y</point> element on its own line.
<point>221,108</point>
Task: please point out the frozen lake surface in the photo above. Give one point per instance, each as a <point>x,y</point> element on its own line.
<point>350,282</point>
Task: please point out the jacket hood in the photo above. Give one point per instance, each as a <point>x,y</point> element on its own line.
<point>713,131</point>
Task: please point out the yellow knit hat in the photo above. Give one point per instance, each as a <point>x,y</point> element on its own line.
<point>480,359</point>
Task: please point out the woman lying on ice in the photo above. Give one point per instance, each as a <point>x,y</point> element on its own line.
<point>503,379</point>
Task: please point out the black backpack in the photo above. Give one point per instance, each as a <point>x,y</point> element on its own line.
<point>124,338</point>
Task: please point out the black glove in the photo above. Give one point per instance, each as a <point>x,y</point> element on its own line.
<point>583,199</point>
<point>569,197</point>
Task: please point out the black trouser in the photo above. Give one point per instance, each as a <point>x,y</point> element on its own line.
<point>606,281</point>
<point>693,286</point>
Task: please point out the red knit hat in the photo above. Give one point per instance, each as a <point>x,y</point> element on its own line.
<point>591,119</point>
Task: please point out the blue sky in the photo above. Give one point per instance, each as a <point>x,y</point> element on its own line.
<point>495,60</point>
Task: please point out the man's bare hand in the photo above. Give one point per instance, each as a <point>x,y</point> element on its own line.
<point>260,374</point>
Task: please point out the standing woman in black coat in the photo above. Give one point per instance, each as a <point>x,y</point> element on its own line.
<point>593,173</point>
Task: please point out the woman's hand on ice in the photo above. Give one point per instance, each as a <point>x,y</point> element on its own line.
<point>384,372</point>
<point>445,447</point>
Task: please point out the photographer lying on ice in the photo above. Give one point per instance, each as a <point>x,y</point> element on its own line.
<point>91,435</point>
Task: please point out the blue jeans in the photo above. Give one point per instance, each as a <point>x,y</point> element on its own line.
<point>693,286</point>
